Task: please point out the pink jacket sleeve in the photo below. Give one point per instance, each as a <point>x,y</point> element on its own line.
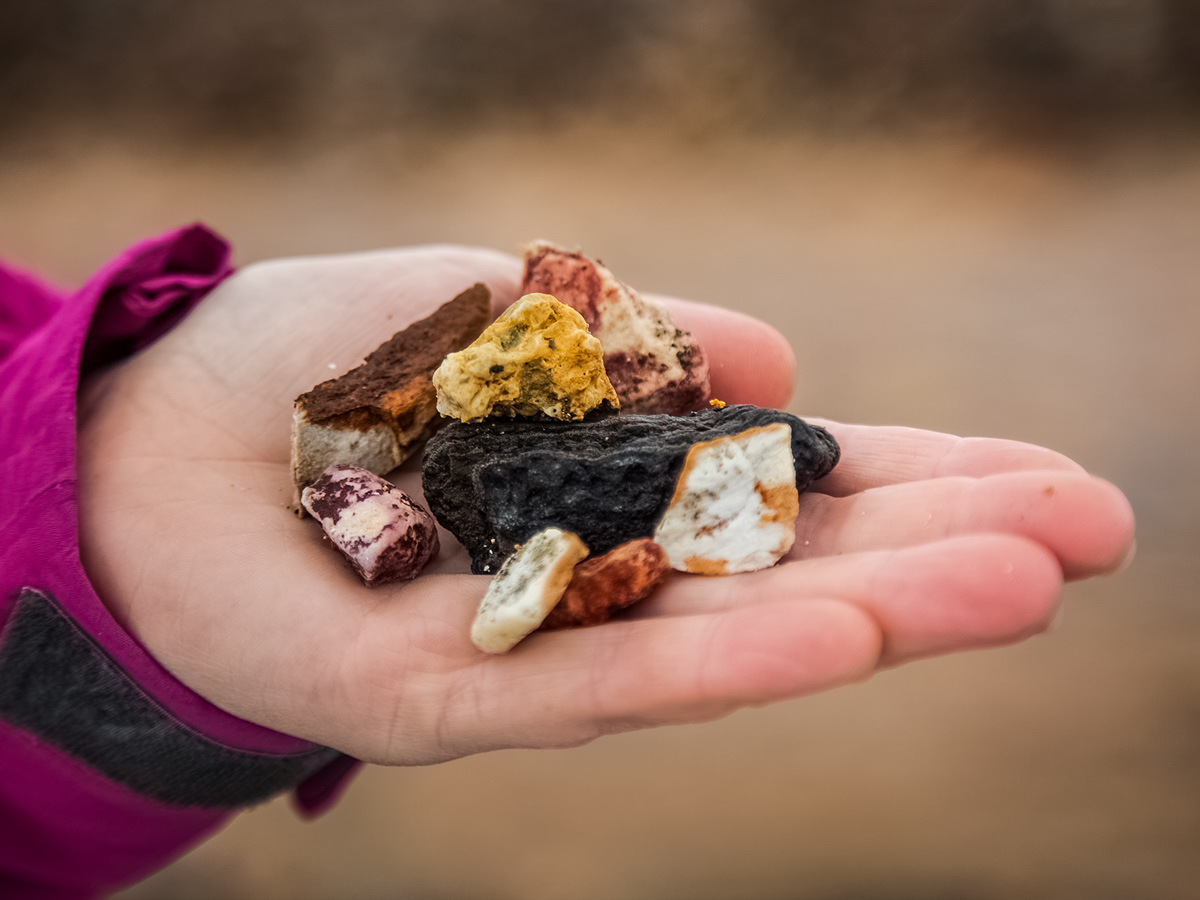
<point>109,766</point>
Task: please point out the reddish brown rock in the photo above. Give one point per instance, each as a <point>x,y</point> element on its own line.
<point>602,585</point>
<point>654,366</point>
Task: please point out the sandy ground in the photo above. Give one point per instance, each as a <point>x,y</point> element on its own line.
<point>1051,298</point>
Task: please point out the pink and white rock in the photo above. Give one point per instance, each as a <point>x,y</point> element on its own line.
<point>735,504</point>
<point>527,587</point>
<point>654,366</point>
<point>383,532</point>
<point>603,585</point>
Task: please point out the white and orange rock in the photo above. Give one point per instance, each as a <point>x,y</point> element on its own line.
<point>735,504</point>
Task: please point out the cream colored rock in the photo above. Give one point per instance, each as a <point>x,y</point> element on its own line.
<point>537,359</point>
<point>735,504</point>
<point>527,587</point>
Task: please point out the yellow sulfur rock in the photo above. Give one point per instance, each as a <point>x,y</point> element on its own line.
<point>537,359</point>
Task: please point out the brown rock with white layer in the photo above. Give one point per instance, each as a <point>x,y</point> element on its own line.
<point>735,504</point>
<point>377,414</point>
<point>603,585</point>
<point>654,366</point>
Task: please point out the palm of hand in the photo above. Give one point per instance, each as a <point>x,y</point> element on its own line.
<point>919,543</point>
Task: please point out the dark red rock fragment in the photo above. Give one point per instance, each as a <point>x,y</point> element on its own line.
<point>602,585</point>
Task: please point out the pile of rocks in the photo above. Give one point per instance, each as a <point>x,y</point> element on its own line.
<point>578,511</point>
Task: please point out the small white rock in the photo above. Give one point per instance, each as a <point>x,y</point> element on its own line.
<point>526,588</point>
<point>735,504</point>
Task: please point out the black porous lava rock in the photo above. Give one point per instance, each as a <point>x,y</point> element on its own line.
<point>496,483</point>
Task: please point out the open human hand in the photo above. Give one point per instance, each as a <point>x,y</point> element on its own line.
<point>918,543</point>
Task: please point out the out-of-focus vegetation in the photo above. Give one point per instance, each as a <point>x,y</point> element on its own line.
<point>227,68</point>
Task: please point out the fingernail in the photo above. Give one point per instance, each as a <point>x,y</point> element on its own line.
<point>1127,559</point>
<point>1056,618</point>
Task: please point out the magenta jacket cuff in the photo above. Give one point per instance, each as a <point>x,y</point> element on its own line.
<point>109,766</point>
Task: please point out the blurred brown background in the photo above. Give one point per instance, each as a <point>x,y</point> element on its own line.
<point>978,217</point>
